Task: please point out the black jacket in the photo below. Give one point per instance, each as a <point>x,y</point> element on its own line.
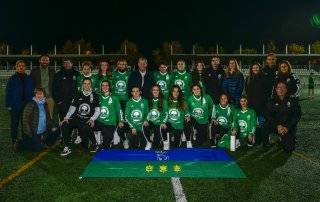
<point>293,84</point>
<point>213,81</point>
<point>254,90</point>
<point>286,112</point>
<point>36,77</point>
<point>135,79</point>
<point>64,85</point>
<point>269,74</point>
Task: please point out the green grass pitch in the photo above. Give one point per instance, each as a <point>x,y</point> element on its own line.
<point>271,176</point>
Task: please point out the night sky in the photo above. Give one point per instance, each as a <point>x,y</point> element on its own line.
<point>149,23</point>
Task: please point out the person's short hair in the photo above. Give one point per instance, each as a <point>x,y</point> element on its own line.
<point>39,89</point>
<point>271,55</point>
<point>20,61</point>
<point>143,59</point>
<point>44,55</point>
<point>86,79</point>
<point>66,59</point>
<point>281,82</point>
<point>87,63</point>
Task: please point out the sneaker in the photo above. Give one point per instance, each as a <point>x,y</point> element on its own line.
<point>189,144</point>
<point>65,152</point>
<point>213,143</point>
<point>126,144</point>
<point>78,140</point>
<point>166,145</point>
<point>148,146</point>
<point>249,144</point>
<point>237,143</point>
<point>94,148</point>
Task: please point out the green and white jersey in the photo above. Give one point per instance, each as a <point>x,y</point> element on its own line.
<point>158,117</point>
<point>120,84</point>
<point>80,78</point>
<point>136,113</point>
<point>224,115</point>
<point>110,110</point>
<point>183,80</point>
<point>200,108</point>
<point>245,122</point>
<point>163,80</point>
<point>99,79</point>
<point>176,117</point>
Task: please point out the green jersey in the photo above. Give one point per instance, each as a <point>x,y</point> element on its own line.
<point>120,84</point>
<point>158,117</point>
<point>110,110</point>
<point>163,80</point>
<point>99,79</point>
<point>245,122</point>
<point>310,82</point>
<point>223,115</point>
<point>176,116</point>
<point>200,108</point>
<point>136,113</point>
<point>80,78</point>
<point>183,80</point>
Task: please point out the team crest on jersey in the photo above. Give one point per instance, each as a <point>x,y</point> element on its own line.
<point>288,80</point>
<point>154,115</point>
<point>288,104</point>
<point>121,85</point>
<point>197,112</point>
<point>104,113</point>
<point>136,115</point>
<point>84,109</point>
<point>162,84</point>
<point>219,76</point>
<point>222,120</point>
<point>179,82</point>
<point>74,78</point>
<point>174,114</point>
<point>248,117</point>
<point>242,125</point>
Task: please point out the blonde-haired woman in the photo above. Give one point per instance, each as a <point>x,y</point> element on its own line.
<point>233,82</point>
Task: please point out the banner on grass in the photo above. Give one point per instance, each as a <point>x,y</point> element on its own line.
<point>208,163</point>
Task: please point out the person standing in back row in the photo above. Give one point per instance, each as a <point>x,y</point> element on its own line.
<point>42,77</point>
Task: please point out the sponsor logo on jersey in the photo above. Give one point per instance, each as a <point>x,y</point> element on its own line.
<point>154,115</point>
<point>288,80</point>
<point>174,114</point>
<point>121,86</point>
<point>104,112</point>
<point>222,120</point>
<point>288,104</point>
<point>136,115</point>
<point>84,109</point>
<point>197,112</point>
<point>243,126</point>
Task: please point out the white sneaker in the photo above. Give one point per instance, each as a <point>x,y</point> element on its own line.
<point>78,140</point>
<point>148,146</point>
<point>126,144</point>
<point>166,145</point>
<point>66,151</point>
<point>189,144</point>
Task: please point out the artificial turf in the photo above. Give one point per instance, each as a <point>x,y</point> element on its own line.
<point>271,176</point>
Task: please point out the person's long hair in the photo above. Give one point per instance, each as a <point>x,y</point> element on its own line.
<point>160,98</point>
<point>108,73</point>
<point>237,70</point>
<point>286,62</point>
<point>251,75</point>
<point>201,92</point>
<point>181,103</point>
<point>196,75</point>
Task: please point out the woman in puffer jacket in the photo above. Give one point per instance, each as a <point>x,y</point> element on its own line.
<point>233,82</point>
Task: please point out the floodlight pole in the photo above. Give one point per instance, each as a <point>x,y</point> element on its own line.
<point>31,52</point>
<point>7,54</point>
<point>79,53</point>
<point>171,53</point>
<point>55,53</point>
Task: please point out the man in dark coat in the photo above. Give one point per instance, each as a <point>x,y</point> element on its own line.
<point>141,78</point>
<point>19,91</point>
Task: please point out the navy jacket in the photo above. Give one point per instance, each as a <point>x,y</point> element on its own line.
<point>14,92</point>
<point>135,79</point>
<point>233,85</point>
